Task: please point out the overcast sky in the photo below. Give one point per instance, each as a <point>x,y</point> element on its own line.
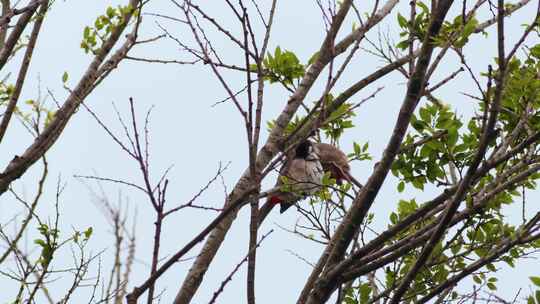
<point>194,136</point>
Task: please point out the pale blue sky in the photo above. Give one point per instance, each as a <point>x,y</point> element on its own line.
<point>194,137</point>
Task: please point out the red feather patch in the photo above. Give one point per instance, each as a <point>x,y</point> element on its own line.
<point>275,200</point>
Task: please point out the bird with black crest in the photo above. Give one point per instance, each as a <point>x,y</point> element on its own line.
<point>303,172</point>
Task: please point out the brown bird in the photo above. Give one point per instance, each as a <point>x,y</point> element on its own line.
<point>333,160</point>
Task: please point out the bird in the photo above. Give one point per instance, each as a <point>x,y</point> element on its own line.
<point>334,161</point>
<point>303,174</point>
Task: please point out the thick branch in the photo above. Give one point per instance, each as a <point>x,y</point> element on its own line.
<point>16,32</point>
<point>364,200</point>
<point>464,185</point>
<point>19,164</point>
<point>268,151</point>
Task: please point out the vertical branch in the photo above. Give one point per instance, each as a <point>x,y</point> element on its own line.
<point>157,236</point>
<point>229,277</point>
<point>3,29</point>
<point>122,290</point>
<point>23,70</point>
<point>411,37</point>
<point>157,201</point>
<point>253,227</point>
<point>52,241</point>
<point>254,203</point>
<point>260,77</point>
<point>140,158</point>
<point>254,223</point>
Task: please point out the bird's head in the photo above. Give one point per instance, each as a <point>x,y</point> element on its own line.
<point>304,150</point>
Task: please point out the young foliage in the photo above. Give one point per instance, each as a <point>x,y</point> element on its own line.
<point>104,25</point>
<point>283,67</point>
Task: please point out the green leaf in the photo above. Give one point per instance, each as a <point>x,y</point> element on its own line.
<point>452,137</point>
<point>535,51</point>
<point>283,67</point>
<point>277,53</point>
<point>65,77</point>
<point>401,187</point>
<point>365,147</point>
<point>88,232</point>
<point>401,21</point>
<point>110,12</point>
<point>40,242</point>
<point>535,280</point>
<point>393,218</point>
<point>98,24</point>
<point>403,44</point>
<point>357,149</point>
<point>422,6</point>
<point>418,183</point>
<point>491,267</point>
<point>349,300</point>
<point>425,115</point>
<point>253,67</point>
<point>50,117</point>
<point>509,261</point>
<point>365,290</point>
<point>455,249</point>
<point>86,32</point>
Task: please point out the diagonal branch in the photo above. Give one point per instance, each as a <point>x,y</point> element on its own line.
<point>229,277</point>
<point>361,205</point>
<point>17,31</point>
<point>19,164</point>
<point>265,155</point>
<point>504,246</point>
<point>487,135</point>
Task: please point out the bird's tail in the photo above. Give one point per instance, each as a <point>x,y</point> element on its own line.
<point>269,205</point>
<point>353,180</point>
<point>284,206</point>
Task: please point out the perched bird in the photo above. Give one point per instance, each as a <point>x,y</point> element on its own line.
<point>303,173</point>
<point>333,160</point>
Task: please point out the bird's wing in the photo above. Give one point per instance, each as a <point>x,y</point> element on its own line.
<point>331,155</point>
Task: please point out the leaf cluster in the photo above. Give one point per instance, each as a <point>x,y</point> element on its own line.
<point>283,67</point>
<point>415,30</point>
<point>425,163</point>
<point>94,36</point>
